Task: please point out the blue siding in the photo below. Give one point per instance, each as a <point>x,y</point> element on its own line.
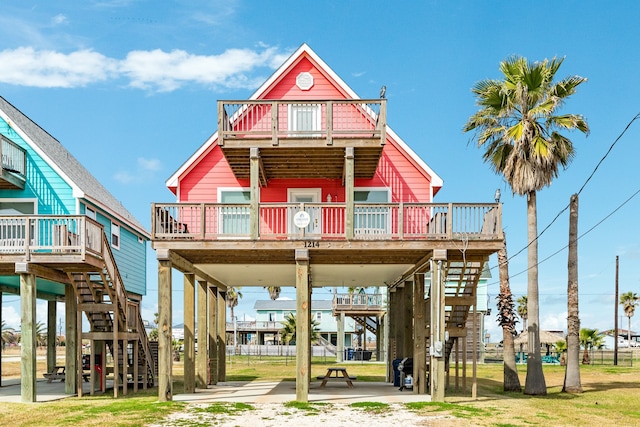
<point>54,195</point>
<point>130,257</point>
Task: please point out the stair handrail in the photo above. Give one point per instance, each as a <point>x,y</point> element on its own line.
<point>144,343</point>
<point>116,281</point>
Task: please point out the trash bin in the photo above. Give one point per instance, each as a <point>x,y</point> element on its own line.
<point>350,352</point>
<point>396,372</point>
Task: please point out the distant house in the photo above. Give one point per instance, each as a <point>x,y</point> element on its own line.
<point>271,316</point>
<point>64,237</point>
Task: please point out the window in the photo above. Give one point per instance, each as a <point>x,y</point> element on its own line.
<point>372,219</point>
<point>272,317</point>
<point>305,118</point>
<point>235,220</point>
<point>115,236</point>
<point>318,316</point>
<point>90,213</point>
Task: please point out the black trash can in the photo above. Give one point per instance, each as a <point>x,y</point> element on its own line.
<point>396,372</point>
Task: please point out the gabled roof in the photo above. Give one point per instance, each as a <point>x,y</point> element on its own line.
<point>290,305</point>
<point>84,185</point>
<point>305,51</point>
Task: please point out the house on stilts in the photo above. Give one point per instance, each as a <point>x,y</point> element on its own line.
<point>65,238</point>
<point>305,185</point>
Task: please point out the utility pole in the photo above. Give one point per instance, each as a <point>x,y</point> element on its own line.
<point>615,315</point>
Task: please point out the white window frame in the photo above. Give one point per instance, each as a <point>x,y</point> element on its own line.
<point>115,232</point>
<point>91,213</point>
<point>221,214</point>
<point>319,316</point>
<point>386,229</point>
<point>316,118</point>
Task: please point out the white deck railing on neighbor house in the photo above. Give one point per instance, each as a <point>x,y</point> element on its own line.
<point>358,301</point>
<point>371,221</point>
<point>28,234</point>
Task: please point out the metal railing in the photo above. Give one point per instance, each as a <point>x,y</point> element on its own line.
<point>28,234</point>
<point>14,157</point>
<point>371,221</point>
<point>276,119</point>
<point>358,301</point>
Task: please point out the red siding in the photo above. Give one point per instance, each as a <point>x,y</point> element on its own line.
<point>286,88</point>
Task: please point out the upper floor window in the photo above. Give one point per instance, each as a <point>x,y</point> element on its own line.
<point>305,118</point>
<point>272,317</point>
<point>90,213</point>
<point>318,316</point>
<point>115,236</point>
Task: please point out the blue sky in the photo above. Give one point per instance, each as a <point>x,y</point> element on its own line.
<point>130,88</point>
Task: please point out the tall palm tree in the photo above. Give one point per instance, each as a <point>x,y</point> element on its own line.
<point>233,296</point>
<point>506,319</point>
<point>522,311</point>
<point>629,302</point>
<point>8,335</point>
<point>518,124</point>
<point>274,292</point>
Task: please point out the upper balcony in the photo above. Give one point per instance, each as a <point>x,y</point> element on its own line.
<point>310,135</point>
<point>13,165</point>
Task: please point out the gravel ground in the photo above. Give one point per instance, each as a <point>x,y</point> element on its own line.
<point>273,414</point>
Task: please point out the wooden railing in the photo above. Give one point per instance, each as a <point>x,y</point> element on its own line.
<point>329,119</point>
<point>371,221</point>
<point>14,157</point>
<point>358,301</point>
<point>28,234</point>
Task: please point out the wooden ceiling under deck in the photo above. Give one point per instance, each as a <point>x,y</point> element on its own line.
<point>304,161</point>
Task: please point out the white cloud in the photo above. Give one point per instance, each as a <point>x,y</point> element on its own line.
<point>124,177</point>
<point>11,317</point>
<point>149,70</point>
<point>25,66</point>
<point>149,164</point>
<point>59,19</point>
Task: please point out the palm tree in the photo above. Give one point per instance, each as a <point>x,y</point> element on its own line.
<point>506,319</point>
<point>589,339</point>
<point>288,331</point>
<point>518,124</point>
<point>522,311</point>
<point>233,296</point>
<point>274,292</point>
<point>8,335</point>
<point>629,302</point>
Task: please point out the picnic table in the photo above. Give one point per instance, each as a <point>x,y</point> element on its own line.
<point>337,374</point>
<point>58,373</point>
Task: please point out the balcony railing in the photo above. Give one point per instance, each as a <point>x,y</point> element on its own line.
<point>13,160</point>
<point>329,119</point>
<point>56,234</point>
<point>371,221</point>
<point>358,301</point>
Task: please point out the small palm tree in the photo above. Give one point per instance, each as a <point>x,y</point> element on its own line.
<point>518,124</point>
<point>590,339</point>
<point>629,302</point>
<point>522,311</point>
<point>8,335</point>
<point>288,331</point>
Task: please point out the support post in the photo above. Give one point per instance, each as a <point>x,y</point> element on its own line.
<point>213,335</point>
<point>254,171</point>
<point>189,328</point>
<point>437,328</point>
<point>349,161</point>
<point>203,336</point>
<point>303,334</point>
<point>71,340</point>
<point>419,335</point>
<point>222,336</point>
<point>51,334</point>
<point>28,337</point>
<point>340,338</point>
<point>165,361</point>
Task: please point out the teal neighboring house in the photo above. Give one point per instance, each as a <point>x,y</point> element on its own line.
<point>65,237</point>
<point>270,316</point>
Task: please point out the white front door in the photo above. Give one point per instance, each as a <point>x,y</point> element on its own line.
<point>304,196</point>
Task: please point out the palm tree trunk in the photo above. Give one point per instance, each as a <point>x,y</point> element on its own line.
<point>629,332</point>
<point>535,383</point>
<point>506,317</point>
<point>572,382</point>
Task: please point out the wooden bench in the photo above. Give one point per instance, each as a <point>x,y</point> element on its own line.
<point>58,373</point>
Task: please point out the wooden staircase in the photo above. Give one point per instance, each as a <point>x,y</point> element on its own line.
<point>114,318</point>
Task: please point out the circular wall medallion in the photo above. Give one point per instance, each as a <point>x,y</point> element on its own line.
<point>304,81</point>
<point>301,219</point>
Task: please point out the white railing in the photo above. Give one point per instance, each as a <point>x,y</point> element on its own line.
<point>358,301</point>
<point>371,221</point>
<point>50,234</point>
<point>14,157</point>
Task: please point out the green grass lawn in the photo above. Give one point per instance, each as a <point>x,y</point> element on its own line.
<point>610,397</point>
